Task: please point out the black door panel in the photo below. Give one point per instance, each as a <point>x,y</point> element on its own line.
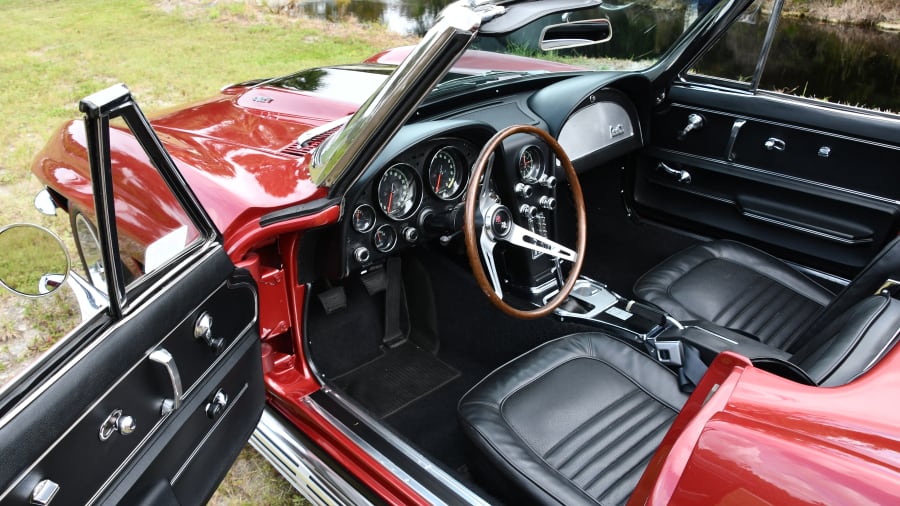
<point>812,194</point>
<point>52,436</point>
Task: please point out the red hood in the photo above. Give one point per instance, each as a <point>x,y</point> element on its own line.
<point>238,150</point>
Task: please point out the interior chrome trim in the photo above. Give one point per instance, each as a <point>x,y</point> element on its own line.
<point>710,332</point>
<point>656,152</point>
<point>162,357</point>
<point>209,433</point>
<point>429,467</point>
<point>301,467</point>
<point>814,273</point>
<point>791,100</point>
<point>805,230</point>
<point>732,138</point>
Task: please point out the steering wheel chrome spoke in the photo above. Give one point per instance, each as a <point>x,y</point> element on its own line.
<point>487,248</point>
<point>485,199</point>
<point>522,237</point>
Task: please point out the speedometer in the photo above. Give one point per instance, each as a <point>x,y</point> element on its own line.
<point>398,191</point>
<point>447,172</point>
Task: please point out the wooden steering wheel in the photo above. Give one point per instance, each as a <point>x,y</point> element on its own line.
<point>499,226</point>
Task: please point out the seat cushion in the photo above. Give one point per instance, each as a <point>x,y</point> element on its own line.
<point>574,421</point>
<point>737,287</point>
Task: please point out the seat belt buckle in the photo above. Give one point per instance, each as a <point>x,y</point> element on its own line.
<point>669,352</point>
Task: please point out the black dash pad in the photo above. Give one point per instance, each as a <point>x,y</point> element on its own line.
<point>396,379</point>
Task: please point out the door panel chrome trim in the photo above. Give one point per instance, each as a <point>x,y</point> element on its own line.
<point>780,124</point>
<point>663,152</point>
<point>174,277</point>
<point>805,230</point>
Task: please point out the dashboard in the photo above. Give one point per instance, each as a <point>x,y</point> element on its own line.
<point>414,189</point>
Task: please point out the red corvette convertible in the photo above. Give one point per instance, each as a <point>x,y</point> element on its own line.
<point>479,271</point>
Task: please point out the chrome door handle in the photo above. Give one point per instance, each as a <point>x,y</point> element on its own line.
<point>164,358</point>
<point>682,176</point>
<point>774,144</point>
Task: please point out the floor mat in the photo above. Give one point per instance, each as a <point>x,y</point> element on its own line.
<point>397,378</point>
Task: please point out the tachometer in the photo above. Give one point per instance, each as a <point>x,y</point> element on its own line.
<point>447,173</point>
<point>531,164</point>
<point>398,191</point>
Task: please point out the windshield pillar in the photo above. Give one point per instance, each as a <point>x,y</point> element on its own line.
<point>379,118</point>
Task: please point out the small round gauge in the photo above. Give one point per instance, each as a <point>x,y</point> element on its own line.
<point>447,173</point>
<point>385,238</point>
<point>363,218</point>
<point>398,191</point>
<point>531,164</point>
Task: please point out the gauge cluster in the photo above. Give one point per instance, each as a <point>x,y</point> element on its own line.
<point>387,215</point>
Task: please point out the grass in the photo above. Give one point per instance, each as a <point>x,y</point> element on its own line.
<point>169,52</point>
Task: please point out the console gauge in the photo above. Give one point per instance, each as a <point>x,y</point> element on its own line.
<point>447,173</point>
<point>363,218</point>
<point>398,191</point>
<point>531,164</point>
<point>385,238</point>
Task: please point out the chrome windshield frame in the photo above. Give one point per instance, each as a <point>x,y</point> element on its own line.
<point>392,104</point>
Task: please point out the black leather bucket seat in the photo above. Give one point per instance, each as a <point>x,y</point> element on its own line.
<point>744,289</point>
<point>577,420</point>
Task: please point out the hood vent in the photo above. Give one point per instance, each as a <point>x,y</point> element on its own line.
<point>306,145</point>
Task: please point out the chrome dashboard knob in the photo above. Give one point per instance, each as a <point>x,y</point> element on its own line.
<point>528,211</point>
<point>549,182</point>
<point>410,234</point>
<point>548,203</point>
<point>523,190</point>
<point>361,254</point>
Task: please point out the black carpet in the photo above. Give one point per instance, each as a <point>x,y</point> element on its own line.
<point>396,379</point>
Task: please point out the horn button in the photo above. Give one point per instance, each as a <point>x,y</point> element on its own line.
<point>501,222</point>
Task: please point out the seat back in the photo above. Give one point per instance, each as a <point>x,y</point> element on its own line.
<point>885,265</point>
<point>853,342</point>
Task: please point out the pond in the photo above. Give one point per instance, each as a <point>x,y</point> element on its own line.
<point>847,64</point>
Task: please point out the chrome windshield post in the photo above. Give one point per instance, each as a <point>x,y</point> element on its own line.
<point>379,118</point>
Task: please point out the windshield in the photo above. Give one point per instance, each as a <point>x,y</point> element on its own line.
<point>642,32</point>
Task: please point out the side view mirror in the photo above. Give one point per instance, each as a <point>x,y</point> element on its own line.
<point>33,261</point>
<point>575,34</point>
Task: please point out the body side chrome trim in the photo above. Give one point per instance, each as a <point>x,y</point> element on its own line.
<point>450,482</point>
<point>302,468</point>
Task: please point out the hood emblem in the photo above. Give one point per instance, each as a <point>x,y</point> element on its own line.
<point>263,99</point>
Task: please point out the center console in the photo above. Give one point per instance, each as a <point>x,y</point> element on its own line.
<point>594,304</point>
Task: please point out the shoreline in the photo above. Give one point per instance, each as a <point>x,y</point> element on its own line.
<point>883,15</point>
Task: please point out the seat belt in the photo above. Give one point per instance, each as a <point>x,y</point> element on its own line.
<point>692,369</point>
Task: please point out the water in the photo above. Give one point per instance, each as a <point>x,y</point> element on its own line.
<point>847,64</point>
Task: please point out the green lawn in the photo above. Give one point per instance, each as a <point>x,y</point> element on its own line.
<point>169,52</point>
